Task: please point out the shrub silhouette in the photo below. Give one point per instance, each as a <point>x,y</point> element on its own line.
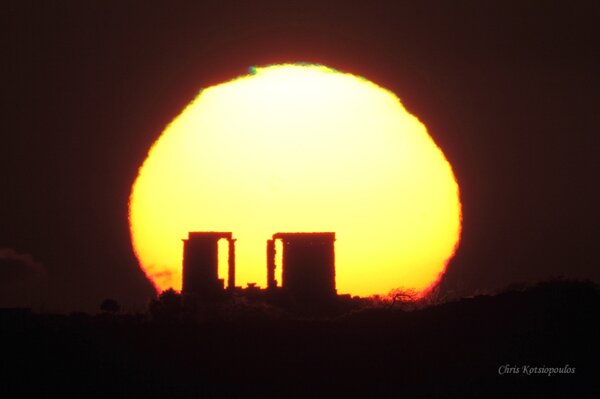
<point>110,306</point>
<point>167,306</point>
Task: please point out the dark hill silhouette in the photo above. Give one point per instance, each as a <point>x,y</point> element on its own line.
<point>452,350</point>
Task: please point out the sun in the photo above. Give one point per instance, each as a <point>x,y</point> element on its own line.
<point>300,148</point>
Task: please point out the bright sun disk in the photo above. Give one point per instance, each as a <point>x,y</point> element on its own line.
<point>293,148</point>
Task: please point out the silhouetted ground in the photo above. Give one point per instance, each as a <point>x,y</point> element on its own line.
<point>451,350</point>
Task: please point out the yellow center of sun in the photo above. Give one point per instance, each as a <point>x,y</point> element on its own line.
<point>300,148</point>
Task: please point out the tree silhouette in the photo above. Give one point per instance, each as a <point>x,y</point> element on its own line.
<point>110,306</point>
<point>401,297</point>
<point>397,298</point>
<point>167,306</point>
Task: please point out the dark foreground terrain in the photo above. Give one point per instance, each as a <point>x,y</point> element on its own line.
<point>457,349</point>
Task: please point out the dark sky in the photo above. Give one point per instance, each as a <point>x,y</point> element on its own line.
<point>509,91</point>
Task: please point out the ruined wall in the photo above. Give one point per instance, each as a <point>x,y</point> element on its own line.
<point>308,265</point>
<point>201,261</point>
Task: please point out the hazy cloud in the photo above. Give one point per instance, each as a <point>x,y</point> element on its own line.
<point>22,280</point>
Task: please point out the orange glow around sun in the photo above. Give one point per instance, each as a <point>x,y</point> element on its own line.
<point>300,148</point>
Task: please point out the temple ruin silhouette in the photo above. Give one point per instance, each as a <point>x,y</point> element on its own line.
<point>201,261</point>
<point>307,267</point>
